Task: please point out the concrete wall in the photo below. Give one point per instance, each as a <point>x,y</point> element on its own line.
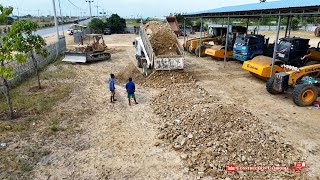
<point>23,71</point>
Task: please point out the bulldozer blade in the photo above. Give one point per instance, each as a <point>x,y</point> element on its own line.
<point>75,57</point>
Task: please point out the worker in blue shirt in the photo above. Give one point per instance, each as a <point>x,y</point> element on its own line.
<point>112,88</point>
<point>130,90</point>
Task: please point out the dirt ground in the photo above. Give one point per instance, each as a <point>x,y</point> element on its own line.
<point>118,141</point>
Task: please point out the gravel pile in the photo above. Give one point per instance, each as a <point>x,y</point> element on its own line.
<point>209,135</point>
<point>131,71</point>
<point>162,38</point>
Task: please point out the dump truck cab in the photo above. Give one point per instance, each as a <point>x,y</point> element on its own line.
<point>248,46</point>
<point>291,50</point>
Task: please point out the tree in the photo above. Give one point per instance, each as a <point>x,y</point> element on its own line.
<point>295,23</point>
<point>26,42</point>
<point>97,25</point>
<point>116,23</point>
<point>7,56</point>
<point>180,20</point>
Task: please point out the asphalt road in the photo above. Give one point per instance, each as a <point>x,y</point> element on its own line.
<point>48,31</point>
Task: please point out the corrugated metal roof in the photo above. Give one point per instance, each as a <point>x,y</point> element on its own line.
<point>282,4</point>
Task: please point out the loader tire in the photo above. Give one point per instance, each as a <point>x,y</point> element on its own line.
<point>269,86</point>
<point>305,94</point>
<point>203,49</point>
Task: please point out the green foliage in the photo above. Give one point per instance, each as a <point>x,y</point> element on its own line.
<point>24,40</point>
<point>97,25</point>
<point>295,23</point>
<point>7,48</point>
<point>180,20</point>
<point>116,23</point>
<point>5,12</point>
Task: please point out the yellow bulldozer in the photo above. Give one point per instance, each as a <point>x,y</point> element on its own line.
<point>290,51</point>
<point>305,89</point>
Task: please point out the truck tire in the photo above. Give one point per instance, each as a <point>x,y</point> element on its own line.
<point>269,86</point>
<point>139,61</point>
<point>305,94</point>
<point>314,74</point>
<point>203,49</point>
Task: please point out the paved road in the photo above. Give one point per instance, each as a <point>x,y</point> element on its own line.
<point>48,31</point>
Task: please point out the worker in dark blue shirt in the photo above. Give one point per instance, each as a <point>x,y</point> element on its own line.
<point>112,88</point>
<point>130,90</point>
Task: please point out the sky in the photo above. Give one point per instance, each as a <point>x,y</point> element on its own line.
<point>124,8</point>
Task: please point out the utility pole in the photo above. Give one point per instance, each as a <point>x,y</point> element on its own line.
<point>61,18</point>
<point>90,1</point>
<point>18,13</point>
<point>97,6</point>
<point>39,15</point>
<point>56,25</point>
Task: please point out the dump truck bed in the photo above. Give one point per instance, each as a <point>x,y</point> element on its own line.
<point>162,62</point>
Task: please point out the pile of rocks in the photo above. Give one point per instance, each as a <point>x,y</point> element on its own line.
<point>162,38</point>
<point>211,135</point>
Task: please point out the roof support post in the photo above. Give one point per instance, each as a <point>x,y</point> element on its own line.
<point>287,27</point>
<point>184,31</point>
<point>247,24</point>
<point>290,26</point>
<point>201,29</point>
<point>258,28</point>
<point>226,45</point>
<point>275,46</point>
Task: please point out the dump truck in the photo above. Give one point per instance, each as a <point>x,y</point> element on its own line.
<point>173,23</point>
<point>95,51</point>
<point>248,46</point>
<point>148,60</point>
<point>292,51</point>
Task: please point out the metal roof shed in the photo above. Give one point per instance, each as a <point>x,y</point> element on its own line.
<point>273,8</point>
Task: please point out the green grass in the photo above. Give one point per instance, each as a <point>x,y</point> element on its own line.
<point>131,23</point>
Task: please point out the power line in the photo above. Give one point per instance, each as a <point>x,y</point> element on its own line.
<point>74,5</point>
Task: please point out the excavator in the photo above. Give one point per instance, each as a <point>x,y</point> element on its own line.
<point>293,51</point>
<point>305,89</point>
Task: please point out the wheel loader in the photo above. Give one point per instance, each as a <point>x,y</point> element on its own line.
<point>305,89</point>
<point>290,51</point>
<point>95,51</point>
